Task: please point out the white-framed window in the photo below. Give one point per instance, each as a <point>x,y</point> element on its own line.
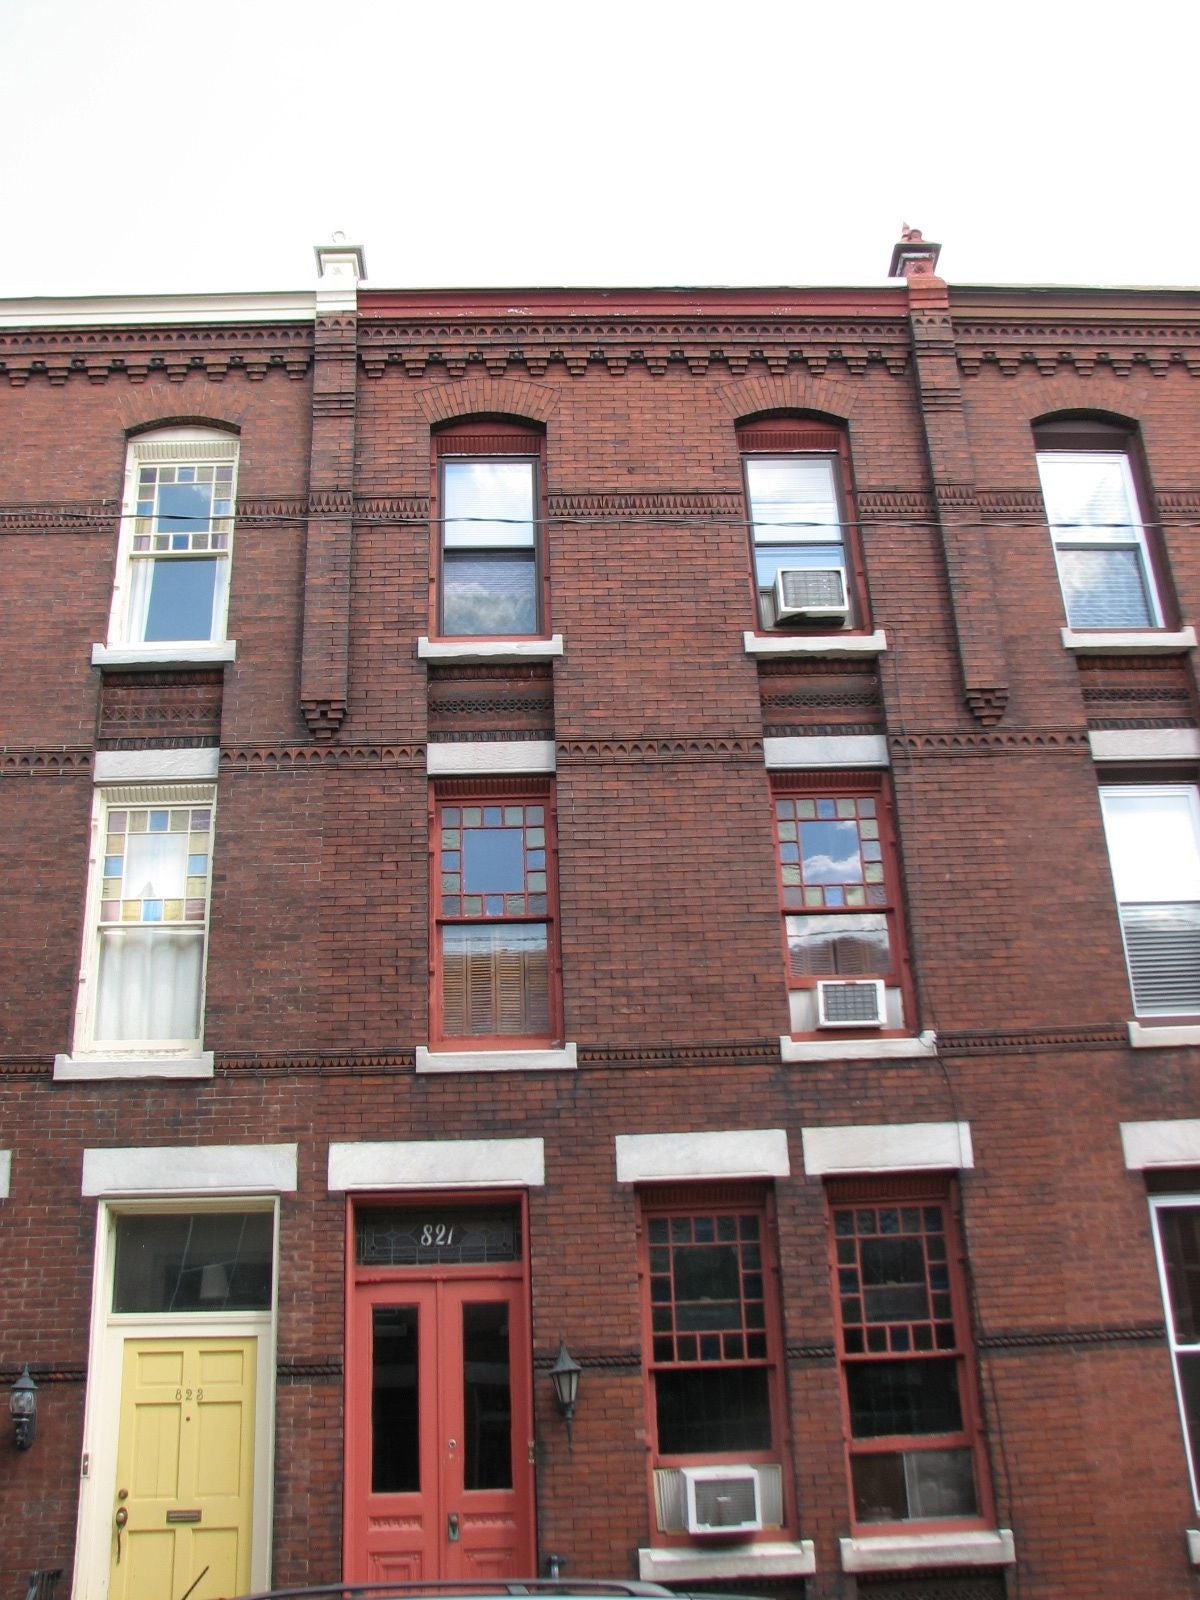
<point>1100,545</point>
<point>141,985</point>
<point>176,541</point>
<point>1177,1249</point>
<point>1153,833</point>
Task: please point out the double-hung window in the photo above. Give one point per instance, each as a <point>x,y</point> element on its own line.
<point>1105,559</point>
<point>1153,834</point>
<point>805,562</point>
<point>840,899</point>
<point>491,571</point>
<point>176,545</point>
<point>1177,1243</point>
<point>142,981</point>
<point>908,1387</point>
<point>495,939</point>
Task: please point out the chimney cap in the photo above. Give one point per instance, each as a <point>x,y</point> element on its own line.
<point>914,256</point>
<point>340,260</point>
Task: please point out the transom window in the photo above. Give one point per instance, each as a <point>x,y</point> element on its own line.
<point>489,498</point>
<point>907,1386</point>
<point>1153,835</point>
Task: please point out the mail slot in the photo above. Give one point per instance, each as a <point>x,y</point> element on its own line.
<point>184,1516</point>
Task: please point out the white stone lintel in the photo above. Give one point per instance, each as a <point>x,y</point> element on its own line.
<point>779,1559</point>
<point>438,1164</point>
<point>908,1552</point>
<point>1129,641</point>
<point>830,1049</point>
<point>191,1169</point>
<point>887,1147</point>
<point>820,750</point>
<point>5,1174</point>
<point>815,644</point>
<point>1175,1143</point>
<point>164,655</point>
<point>739,1153</point>
<point>556,1060</point>
<point>156,766</point>
<point>484,757</point>
<point>1193,1546</point>
<point>1145,744</point>
<point>500,650</point>
<point>94,1069</point>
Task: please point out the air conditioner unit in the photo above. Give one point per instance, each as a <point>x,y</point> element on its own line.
<point>722,1500</point>
<point>857,1003</point>
<point>810,592</point>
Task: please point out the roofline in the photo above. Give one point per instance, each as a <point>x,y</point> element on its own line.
<point>115,311</point>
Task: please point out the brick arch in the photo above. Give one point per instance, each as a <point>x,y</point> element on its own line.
<point>141,412</point>
<point>794,392</point>
<point>512,397</point>
<point>183,419</point>
<point>1103,393</point>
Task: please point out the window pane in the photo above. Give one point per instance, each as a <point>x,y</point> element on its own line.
<point>901,1486</point>
<point>1162,944</point>
<point>210,1261</point>
<point>184,507</point>
<point>1105,588</point>
<point>903,1397</point>
<point>849,946</point>
<point>182,593</point>
<point>149,984</point>
<point>706,1411</point>
<point>792,499</point>
<point>486,593</point>
<point>495,980</point>
<point>488,504</point>
<point>1153,843</point>
<point>395,1454</point>
<point>493,861</point>
<point>1180,1231</point>
<point>1088,493</point>
<point>487,1403</point>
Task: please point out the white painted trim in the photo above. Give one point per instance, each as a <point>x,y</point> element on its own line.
<point>907,1552</point>
<point>1145,744</point>
<point>887,1147</point>
<point>156,766</point>
<point>121,311</point>
<point>1129,641</point>
<point>855,1049</point>
<point>94,1069</point>
<point>818,750</point>
<point>5,1174</point>
<point>1143,1037</point>
<point>816,644</point>
<point>486,756</point>
<point>1193,1546</point>
<point>489,649</point>
<point>776,1560</point>
<point>438,1164</point>
<point>191,1169</point>
<point>496,1060</point>
<point>1161,1144</point>
<point>164,655</point>
<point>740,1153</point>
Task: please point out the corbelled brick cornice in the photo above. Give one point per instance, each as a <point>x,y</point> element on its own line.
<point>135,354</point>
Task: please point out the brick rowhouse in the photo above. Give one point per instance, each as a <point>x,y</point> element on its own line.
<point>655,824</point>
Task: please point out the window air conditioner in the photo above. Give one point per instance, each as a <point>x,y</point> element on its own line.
<point>810,592</point>
<point>858,1004</point>
<point>722,1500</point>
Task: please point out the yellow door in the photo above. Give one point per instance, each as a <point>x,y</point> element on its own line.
<point>185,1457</point>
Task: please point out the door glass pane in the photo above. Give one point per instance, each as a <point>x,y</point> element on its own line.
<point>395,1456</point>
<point>214,1261</point>
<point>487,1399</point>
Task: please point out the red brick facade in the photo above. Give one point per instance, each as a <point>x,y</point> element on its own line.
<point>663,727</point>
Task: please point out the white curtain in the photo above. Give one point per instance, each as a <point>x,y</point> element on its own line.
<point>149,984</point>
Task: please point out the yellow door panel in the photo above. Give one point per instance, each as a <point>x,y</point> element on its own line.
<point>185,1453</point>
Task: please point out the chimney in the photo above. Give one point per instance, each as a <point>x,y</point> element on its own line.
<point>913,257</point>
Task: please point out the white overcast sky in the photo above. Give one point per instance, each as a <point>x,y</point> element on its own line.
<point>156,146</point>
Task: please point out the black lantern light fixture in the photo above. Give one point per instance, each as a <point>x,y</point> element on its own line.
<point>22,1408</point>
<point>564,1375</point>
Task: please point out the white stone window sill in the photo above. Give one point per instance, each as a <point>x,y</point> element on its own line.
<point>815,644</point>
<point>908,1552</point>
<point>5,1173</point>
<point>783,1559</point>
<point>556,1060</point>
<point>85,1069</point>
<point>835,1049</point>
<point>1142,1037</point>
<point>489,649</point>
<point>1193,1544</point>
<point>1129,641</point>
<point>164,655</point>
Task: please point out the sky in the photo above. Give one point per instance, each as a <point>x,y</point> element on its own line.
<point>148,146</point>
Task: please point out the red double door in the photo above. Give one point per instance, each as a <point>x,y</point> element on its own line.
<point>439,1474</point>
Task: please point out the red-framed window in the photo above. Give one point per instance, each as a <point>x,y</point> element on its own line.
<point>489,577</point>
<point>495,954</point>
<point>712,1338</point>
<point>805,552</point>
<point>909,1394</point>
<point>840,895</point>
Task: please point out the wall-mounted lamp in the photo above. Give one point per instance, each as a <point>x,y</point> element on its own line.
<point>564,1375</point>
<point>22,1408</point>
